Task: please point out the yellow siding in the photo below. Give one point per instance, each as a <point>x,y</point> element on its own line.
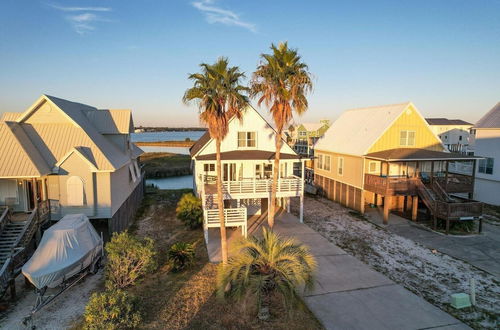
<point>353,168</point>
<point>409,120</point>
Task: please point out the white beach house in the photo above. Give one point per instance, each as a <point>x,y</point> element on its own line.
<point>486,139</point>
<point>70,158</point>
<point>247,155</point>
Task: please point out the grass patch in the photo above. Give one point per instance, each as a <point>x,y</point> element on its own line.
<point>165,164</point>
<point>187,299</point>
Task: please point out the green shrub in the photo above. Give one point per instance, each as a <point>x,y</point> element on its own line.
<point>115,309</point>
<point>181,255</point>
<point>190,211</point>
<point>129,258</point>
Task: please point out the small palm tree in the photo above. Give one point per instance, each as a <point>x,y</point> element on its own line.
<point>219,96</point>
<point>265,266</point>
<point>281,82</point>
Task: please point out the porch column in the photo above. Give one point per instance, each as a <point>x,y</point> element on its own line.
<point>414,208</point>
<point>302,193</point>
<point>288,204</point>
<point>446,176</point>
<point>432,171</point>
<point>471,194</point>
<point>387,208</point>
<point>35,192</point>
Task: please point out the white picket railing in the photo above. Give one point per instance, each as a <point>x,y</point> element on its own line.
<point>233,217</point>
<point>292,184</point>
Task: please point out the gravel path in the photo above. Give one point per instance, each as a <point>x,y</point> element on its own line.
<point>428,273</point>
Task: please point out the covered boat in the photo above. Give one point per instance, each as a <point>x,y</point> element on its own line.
<point>67,248</point>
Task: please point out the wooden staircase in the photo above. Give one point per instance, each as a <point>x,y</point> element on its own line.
<point>444,206</point>
<point>15,236</point>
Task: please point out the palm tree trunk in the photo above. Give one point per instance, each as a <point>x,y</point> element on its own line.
<point>220,204</point>
<point>274,188</point>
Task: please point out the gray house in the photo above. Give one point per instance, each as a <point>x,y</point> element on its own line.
<point>70,158</point>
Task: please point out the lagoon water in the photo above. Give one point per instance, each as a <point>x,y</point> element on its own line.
<point>173,182</point>
<point>166,136</point>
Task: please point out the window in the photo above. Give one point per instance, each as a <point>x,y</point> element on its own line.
<point>460,138</point>
<point>209,167</point>
<point>486,166</point>
<point>407,138</point>
<point>303,133</point>
<point>247,139</point>
<point>320,162</point>
<point>327,163</point>
<point>268,171</point>
<point>373,167</point>
<point>74,188</point>
<point>341,166</point>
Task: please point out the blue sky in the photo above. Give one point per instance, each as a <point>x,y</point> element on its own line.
<point>444,55</point>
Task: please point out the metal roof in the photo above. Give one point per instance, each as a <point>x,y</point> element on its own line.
<point>247,155</point>
<point>19,156</point>
<point>50,142</point>
<point>355,131</point>
<point>445,121</point>
<point>491,119</point>
<point>409,154</point>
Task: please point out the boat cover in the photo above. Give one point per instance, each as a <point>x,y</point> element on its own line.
<point>66,248</point>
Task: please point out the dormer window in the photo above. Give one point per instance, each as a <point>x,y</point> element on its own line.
<point>247,139</point>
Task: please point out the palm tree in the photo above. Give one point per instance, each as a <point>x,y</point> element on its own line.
<point>219,96</point>
<point>268,265</point>
<point>281,82</point>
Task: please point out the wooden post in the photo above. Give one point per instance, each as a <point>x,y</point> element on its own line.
<point>446,176</point>
<point>471,193</point>
<point>414,208</point>
<point>432,171</point>
<point>387,208</point>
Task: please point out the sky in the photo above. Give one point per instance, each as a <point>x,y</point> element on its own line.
<point>443,55</point>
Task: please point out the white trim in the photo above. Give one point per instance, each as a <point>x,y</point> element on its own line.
<point>69,153</point>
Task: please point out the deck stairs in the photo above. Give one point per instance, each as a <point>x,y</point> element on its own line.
<point>15,237</point>
<point>444,206</point>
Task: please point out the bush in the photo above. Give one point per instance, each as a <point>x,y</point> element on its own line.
<point>190,211</point>
<point>267,266</point>
<point>115,309</point>
<point>129,258</point>
<point>181,255</point>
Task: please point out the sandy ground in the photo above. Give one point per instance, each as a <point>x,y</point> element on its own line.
<point>430,274</point>
<point>62,313</point>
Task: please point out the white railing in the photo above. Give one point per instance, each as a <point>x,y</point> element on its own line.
<point>291,184</point>
<point>236,217</point>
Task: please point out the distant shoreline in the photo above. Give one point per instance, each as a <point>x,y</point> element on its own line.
<point>165,143</point>
<point>169,129</point>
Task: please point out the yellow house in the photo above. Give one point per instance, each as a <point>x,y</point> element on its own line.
<point>388,155</point>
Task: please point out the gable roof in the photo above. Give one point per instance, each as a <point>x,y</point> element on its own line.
<point>355,131</point>
<point>83,132</point>
<point>19,156</point>
<point>312,126</point>
<point>205,139</point>
<point>491,119</point>
<point>445,121</point>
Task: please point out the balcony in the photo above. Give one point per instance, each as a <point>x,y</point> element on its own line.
<point>255,188</point>
<point>233,217</point>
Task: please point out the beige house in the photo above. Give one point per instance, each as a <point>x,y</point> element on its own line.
<point>388,156</point>
<point>73,158</point>
<point>247,156</point>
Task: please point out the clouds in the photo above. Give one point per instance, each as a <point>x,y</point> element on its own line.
<point>83,19</point>
<point>215,15</point>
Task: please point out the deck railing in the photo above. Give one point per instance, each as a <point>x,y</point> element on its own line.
<point>390,185</point>
<point>4,218</point>
<point>291,184</point>
<point>233,217</point>
<point>456,183</point>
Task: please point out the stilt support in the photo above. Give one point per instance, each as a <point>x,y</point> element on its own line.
<point>414,208</point>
